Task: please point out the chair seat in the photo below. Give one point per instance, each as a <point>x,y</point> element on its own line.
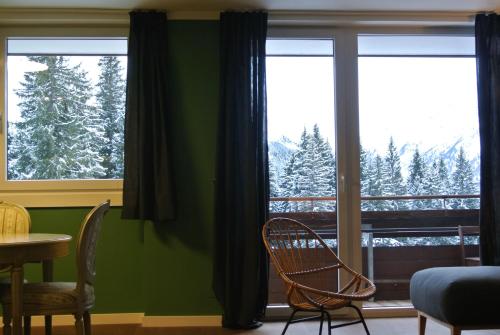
<point>461,296</point>
<point>297,300</point>
<point>49,298</point>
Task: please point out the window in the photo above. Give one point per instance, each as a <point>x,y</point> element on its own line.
<point>66,105</point>
<point>64,119</point>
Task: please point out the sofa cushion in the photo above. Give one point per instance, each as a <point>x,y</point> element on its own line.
<point>461,296</point>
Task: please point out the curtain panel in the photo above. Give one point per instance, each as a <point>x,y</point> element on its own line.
<point>487,28</point>
<point>242,189</point>
<point>147,181</point>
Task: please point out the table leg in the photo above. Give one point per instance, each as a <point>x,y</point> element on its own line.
<point>17,277</point>
<point>48,273</point>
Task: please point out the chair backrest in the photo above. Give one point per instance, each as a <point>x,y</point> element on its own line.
<point>296,249</point>
<point>464,231</point>
<point>14,219</point>
<point>86,245</point>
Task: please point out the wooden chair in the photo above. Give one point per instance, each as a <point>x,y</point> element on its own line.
<point>14,219</point>
<point>55,298</point>
<point>468,231</point>
<point>308,266</point>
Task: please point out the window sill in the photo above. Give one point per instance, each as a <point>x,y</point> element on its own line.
<point>62,198</point>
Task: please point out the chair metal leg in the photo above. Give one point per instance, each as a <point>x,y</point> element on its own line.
<point>288,322</point>
<point>361,318</point>
<point>86,323</point>
<point>321,322</point>
<point>27,324</point>
<point>329,318</point>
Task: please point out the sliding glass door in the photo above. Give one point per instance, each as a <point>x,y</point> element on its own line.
<point>374,144</point>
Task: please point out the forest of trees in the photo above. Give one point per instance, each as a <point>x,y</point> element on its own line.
<point>310,172</point>
<point>68,128</point>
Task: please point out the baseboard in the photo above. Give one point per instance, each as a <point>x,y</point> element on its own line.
<point>182,321</point>
<point>134,324</point>
<point>97,319</point>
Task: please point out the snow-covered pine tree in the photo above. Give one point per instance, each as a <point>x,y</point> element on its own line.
<point>463,182</point>
<point>288,184</point>
<point>111,111</point>
<point>323,169</point>
<point>364,171</point>
<point>416,179</point>
<point>56,136</point>
<point>392,183</point>
<point>432,185</point>
<point>376,186</point>
<point>303,170</point>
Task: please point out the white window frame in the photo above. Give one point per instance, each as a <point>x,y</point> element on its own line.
<point>345,32</point>
<point>52,193</point>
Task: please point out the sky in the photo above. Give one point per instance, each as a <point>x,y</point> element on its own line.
<point>425,101</point>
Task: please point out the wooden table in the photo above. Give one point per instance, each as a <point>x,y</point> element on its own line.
<point>22,248</point>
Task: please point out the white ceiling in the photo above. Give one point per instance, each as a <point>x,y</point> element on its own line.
<point>277,5</point>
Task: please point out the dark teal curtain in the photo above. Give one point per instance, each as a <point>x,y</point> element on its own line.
<point>147,182</point>
<point>488,89</point>
<point>242,188</point>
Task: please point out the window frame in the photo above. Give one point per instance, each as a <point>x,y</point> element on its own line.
<point>52,193</point>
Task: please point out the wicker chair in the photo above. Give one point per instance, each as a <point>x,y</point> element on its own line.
<point>56,298</point>
<point>309,268</point>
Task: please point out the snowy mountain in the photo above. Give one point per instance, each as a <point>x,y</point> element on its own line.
<point>280,152</point>
<point>449,153</point>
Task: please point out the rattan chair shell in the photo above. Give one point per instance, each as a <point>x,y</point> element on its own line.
<point>55,298</point>
<point>309,267</point>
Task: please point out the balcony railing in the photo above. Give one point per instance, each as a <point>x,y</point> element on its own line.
<point>421,239</point>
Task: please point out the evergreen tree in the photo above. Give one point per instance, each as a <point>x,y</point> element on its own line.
<point>416,179</point>
<point>432,185</point>
<point>376,185</point>
<point>364,174</point>
<point>111,111</point>
<point>324,168</point>
<point>310,172</point>
<point>463,182</point>
<point>392,179</point>
<point>56,137</point>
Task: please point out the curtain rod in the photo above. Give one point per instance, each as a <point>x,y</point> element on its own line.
<point>21,16</point>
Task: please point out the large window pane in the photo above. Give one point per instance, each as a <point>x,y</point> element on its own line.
<point>300,92</point>
<point>419,156</point>
<point>65,108</point>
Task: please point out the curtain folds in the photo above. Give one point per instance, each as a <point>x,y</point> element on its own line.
<point>241,191</point>
<point>488,88</point>
<point>147,182</point>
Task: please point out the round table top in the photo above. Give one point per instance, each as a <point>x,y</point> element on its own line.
<point>7,240</point>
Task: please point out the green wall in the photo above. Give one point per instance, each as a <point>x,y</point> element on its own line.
<point>164,269</point>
